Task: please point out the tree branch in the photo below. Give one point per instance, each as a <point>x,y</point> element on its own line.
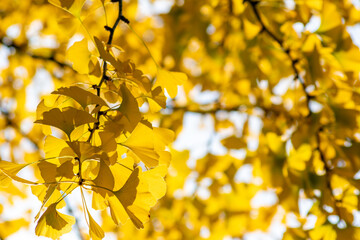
<point>104,77</point>
<point>231,6</point>
<point>253,5</point>
<point>241,108</point>
<point>21,49</point>
<point>203,111</point>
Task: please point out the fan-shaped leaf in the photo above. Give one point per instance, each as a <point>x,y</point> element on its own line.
<point>67,119</point>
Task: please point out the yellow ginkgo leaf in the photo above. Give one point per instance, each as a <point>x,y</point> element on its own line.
<point>90,169</point>
<point>66,170</point>
<point>41,108</point>
<point>274,142</point>
<point>4,180</point>
<point>157,101</point>
<point>122,171</point>
<point>104,177</point>
<point>47,171</point>
<point>136,199</point>
<point>170,81</point>
<point>163,136</point>
<point>298,158</point>
<point>47,194</point>
<point>330,17</point>
<point>106,56</point>
<point>72,6</point>
<point>324,232</point>
<point>129,108</point>
<point>53,224</point>
<point>67,119</point>
<point>79,55</point>
<point>349,60</point>
<point>141,143</point>
<point>155,180</point>
<point>9,227</point>
<point>83,97</point>
<point>117,210</point>
<point>96,232</point>
<point>10,169</point>
<point>108,143</point>
<point>54,147</point>
<point>84,150</point>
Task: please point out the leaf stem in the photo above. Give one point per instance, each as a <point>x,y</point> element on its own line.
<point>147,48</point>
<point>71,211</point>
<point>86,30</point>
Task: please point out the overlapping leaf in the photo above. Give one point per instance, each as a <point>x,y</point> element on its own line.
<point>53,224</point>
<point>67,119</point>
<point>83,97</point>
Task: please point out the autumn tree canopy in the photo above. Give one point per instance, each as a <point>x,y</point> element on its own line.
<point>182,119</point>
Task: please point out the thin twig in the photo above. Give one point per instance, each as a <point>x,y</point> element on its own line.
<point>104,77</point>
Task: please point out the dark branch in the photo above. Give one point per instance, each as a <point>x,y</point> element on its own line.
<point>104,77</point>
<point>231,6</point>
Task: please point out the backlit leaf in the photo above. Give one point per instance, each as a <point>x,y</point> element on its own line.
<point>96,231</point>
<point>83,97</point>
<point>141,143</point>
<point>80,56</point>
<point>67,119</point>
<point>53,224</point>
<point>71,6</point>
<point>170,81</point>
<point>129,108</point>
